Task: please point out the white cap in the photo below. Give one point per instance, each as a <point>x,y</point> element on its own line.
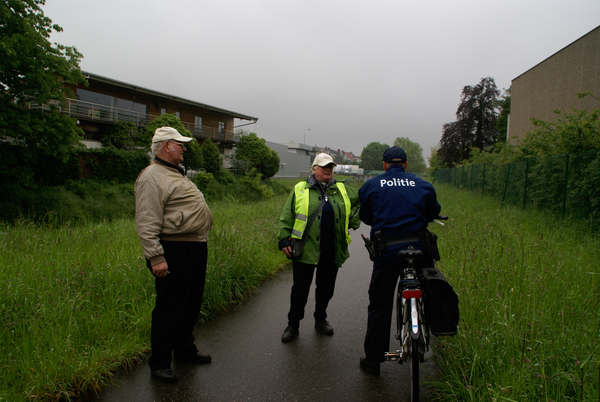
<point>169,133</point>
<point>323,159</point>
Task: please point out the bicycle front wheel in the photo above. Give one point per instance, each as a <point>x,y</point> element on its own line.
<point>414,370</point>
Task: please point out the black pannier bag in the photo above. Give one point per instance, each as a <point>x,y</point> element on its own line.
<point>441,303</point>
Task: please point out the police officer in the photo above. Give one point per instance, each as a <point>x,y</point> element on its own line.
<point>398,206</point>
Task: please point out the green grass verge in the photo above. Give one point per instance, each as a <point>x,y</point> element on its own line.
<point>75,304</point>
<point>529,301</point>
<point>75,301</point>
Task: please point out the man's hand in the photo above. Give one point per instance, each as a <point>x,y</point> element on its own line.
<point>161,269</point>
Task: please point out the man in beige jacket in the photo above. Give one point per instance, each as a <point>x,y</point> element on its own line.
<point>173,222</point>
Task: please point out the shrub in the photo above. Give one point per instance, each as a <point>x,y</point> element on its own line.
<point>252,179</point>
<point>224,176</point>
<point>202,179</point>
<point>111,164</point>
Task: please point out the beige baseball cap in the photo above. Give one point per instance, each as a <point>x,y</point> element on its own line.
<point>169,133</point>
<point>323,159</point>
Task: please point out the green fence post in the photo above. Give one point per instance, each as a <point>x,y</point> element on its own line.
<point>471,183</point>
<point>525,189</point>
<point>483,181</point>
<point>565,187</point>
<point>506,184</point>
<point>454,171</point>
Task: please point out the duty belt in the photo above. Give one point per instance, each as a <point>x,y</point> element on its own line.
<point>392,240</point>
<point>378,243</point>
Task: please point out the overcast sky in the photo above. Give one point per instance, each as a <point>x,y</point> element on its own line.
<point>340,73</point>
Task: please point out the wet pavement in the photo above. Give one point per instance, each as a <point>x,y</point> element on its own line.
<point>250,363</point>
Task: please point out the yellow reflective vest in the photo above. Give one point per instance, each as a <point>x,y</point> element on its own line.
<point>302,200</point>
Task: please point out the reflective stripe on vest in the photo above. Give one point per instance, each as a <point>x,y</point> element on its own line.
<point>348,207</point>
<point>301,208</point>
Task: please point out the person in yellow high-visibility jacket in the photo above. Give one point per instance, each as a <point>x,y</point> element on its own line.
<point>326,243</point>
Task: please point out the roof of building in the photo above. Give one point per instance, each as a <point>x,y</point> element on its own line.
<point>167,96</point>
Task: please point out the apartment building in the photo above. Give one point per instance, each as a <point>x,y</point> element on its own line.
<point>105,101</point>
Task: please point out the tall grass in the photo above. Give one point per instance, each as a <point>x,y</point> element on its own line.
<point>529,301</point>
<point>242,251</point>
<point>76,301</point>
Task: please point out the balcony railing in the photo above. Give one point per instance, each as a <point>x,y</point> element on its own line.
<point>108,114</point>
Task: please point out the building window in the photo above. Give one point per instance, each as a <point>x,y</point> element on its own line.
<point>106,107</point>
<point>198,125</point>
<point>93,97</point>
<point>163,111</point>
<point>221,129</point>
<point>178,115</point>
<point>130,111</point>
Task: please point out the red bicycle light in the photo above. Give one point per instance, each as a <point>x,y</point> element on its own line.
<point>409,294</point>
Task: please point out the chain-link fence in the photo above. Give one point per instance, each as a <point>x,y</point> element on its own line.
<point>564,184</point>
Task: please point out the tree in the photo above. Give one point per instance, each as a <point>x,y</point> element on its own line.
<point>32,73</point>
<point>434,160</point>
<point>502,123</point>
<point>253,152</point>
<point>213,161</point>
<point>452,145</point>
<point>121,135</point>
<point>270,166</point>
<point>414,155</point>
<point>192,158</point>
<point>372,156</point>
<point>475,126</point>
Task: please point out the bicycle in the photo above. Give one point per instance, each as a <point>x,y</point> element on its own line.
<point>413,329</point>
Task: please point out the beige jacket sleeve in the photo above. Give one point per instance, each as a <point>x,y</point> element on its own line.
<point>149,216</point>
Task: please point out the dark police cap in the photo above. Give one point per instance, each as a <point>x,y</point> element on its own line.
<point>394,155</point>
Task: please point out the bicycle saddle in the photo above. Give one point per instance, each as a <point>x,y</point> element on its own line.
<point>410,253</point>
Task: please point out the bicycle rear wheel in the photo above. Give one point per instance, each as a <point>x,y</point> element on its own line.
<point>414,370</point>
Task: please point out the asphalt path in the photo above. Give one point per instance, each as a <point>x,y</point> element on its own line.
<point>250,363</point>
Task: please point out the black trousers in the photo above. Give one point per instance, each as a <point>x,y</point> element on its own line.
<point>381,305</point>
<point>327,270</point>
<point>178,302</point>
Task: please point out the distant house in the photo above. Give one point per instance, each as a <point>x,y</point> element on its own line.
<point>339,156</point>
<point>322,150</point>
<point>105,101</point>
<point>351,158</point>
<point>554,84</point>
<point>335,155</point>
